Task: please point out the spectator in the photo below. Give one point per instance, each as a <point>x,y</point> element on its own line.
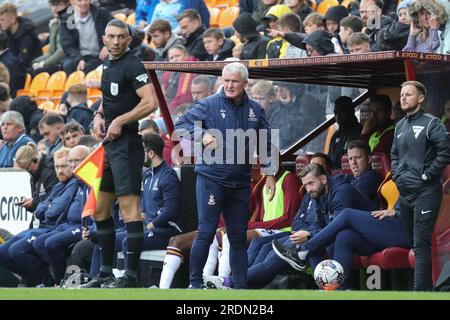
<point>374,21</point>
<point>16,70</point>
<point>349,129</point>
<point>71,134</point>
<point>162,38</point>
<point>426,18</point>
<point>4,74</point>
<point>42,175</point>
<point>201,88</point>
<point>76,106</point>
<point>216,45</point>
<point>151,127</point>
<point>300,7</point>
<point>50,62</point>
<point>254,44</point>
<point>5,98</point>
<point>177,85</point>
<point>444,48</point>
<point>50,127</point>
<point>359,42</point>
<point>333,19</point>
<point>248,6</point>
<point>13,132</point>
<point>30,113</point>
<point>192,30</point>
<point>78,31</point>
<point>237,51</point>
<point>378,130</point>
<point>348,26</point>
<point>144,12</point>
<point>313,22</point>
<point>41,147</point>
<point>263,92</point>
<point>23,40</point>
<point>88,141</point>
<point>200,7</point>
<point>395,35</point>
<point>167,10</point>
<point>276,47</point>
<point>261,9</point>
<point>319,43</point>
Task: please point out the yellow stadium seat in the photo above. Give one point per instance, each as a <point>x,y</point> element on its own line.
<point>330,133</point>
<point>214,15</point>
<point>323,7</point>
<point>131,19</point>
<point>56,81</point>
<point>47,106</point>
<point>228,16</point>
<point>94,93</point>
<point>39,82</point>
<point>389,191</point>
<point>74,78</point>
<point>121,16</point>
<point>345,3</point>
<point>94,75</point>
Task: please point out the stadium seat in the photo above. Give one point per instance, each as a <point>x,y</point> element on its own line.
<point>345,165</point>
<point>56,82</point>
<point>301,162</point>
<point>345,3</point>
<point>39,82</point>
<point>94,93</point>
<point>214,15</point>
<point>131,19</point>
<point>323,7</point>
<point>313,4</point>
<point>27,82</point>
<point>411,258</point>
<point>74,78</point>
<point>47,106</point>
<point>330,133</point>
<point>228,16</point>
<point>121,16</point>
<point>388,193</point>
<point>381,164</point>
<point>389,258</point>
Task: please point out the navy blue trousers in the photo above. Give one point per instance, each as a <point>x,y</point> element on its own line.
<point>18,255</point>
<point>356,231</point>
<point>256,245</point>
<point>53,247</point>
<point>121,234</point>
<point>212,200</point>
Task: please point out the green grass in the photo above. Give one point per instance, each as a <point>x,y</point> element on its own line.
<point>181,294</point>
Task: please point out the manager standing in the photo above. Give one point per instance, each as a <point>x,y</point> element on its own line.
<point>127,97</point>
<point>420,152</point>
<point>227,121</point>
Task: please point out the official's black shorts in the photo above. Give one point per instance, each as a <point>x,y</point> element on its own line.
<point>124,159</point>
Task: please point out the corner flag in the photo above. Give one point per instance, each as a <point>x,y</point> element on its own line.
<point>91,172</point>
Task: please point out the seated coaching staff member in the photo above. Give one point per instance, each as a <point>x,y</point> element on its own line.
<point>127,97</point>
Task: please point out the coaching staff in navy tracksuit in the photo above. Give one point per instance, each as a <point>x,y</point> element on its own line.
<point>127,97</point>
<point>225,187</point>
<point>420,152</point>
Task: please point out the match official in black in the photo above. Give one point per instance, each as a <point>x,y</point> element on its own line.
<point>419,154</point>
<point>127,97</point>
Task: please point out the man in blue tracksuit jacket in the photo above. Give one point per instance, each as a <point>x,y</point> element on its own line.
<point>224,169</point>
<point>18,253</point>
<point>52,246</point>
<point>160,201</point>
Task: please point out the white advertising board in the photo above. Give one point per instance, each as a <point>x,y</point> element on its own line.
<point>14,186</point>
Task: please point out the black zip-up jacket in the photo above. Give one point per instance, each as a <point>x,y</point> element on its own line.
<point>194,44</point>
<point>420,152</point>
<point>25,44</point>
<point>69,36</point>
<point>42,182</point>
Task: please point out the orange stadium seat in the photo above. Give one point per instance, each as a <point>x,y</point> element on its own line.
<point>27,81</point>
<point>45,49</point>
<point>131,19</point>
<point>313,4</point>
<point>94,93</point>
<point>39,82</point>
<point>74,78</point>
<point>214,15</point>
<point>228,16</point>
<point>345,3</point>
<point>323,7</point>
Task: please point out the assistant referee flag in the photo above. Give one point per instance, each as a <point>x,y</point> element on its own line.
<point>91,172</point>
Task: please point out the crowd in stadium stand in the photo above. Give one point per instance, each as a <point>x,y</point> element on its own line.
<point>50,89</point>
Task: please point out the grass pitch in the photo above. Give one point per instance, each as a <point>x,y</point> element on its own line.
<point>182,294</point>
